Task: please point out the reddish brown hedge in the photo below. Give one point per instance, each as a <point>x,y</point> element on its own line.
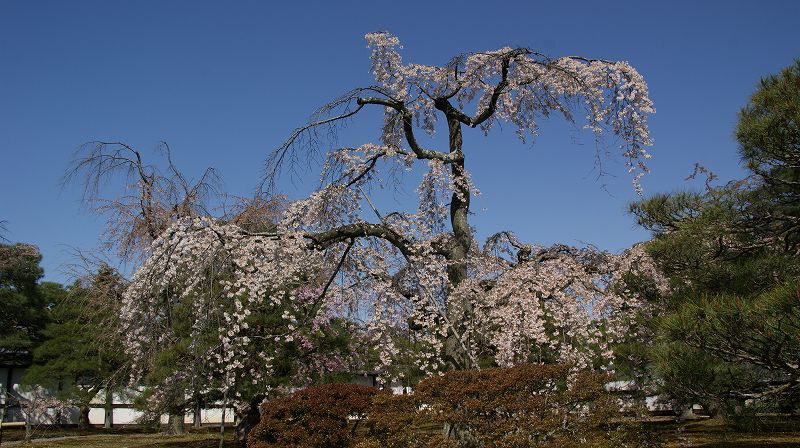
<point>523,406</point>
<point>397,421</point>
<point>315,417</point>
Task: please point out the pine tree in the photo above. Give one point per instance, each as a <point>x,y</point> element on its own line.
<point>80,355</point>
<point>732,327</point>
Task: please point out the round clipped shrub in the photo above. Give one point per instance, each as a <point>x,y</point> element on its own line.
<point>316,417</point>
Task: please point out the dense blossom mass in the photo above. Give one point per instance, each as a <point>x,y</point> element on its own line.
<point>416,286</point>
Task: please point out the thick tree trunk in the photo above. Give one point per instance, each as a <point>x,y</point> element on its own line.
<point>175,424</point>
<point>460,433</point>
<point>83,418</point>
<point>3,404</point>
<point>198,409</point>
<point>458,313</point>
<point>108,420</point>
<point>28,428</point>
<point>250,418</point>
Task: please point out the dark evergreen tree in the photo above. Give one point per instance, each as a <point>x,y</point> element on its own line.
<point>23,303</point>
<point>731,331</point>
<point>81,354</point>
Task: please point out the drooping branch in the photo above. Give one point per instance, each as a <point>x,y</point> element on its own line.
<point>354,173</point>
<point>277,158</point>
<point>94,163</point>
<point>189,196</point>
<point>371,162</point>
<point>502,242</point>
<point>347,232</point>
<point>337,268</point>
<point>349,105</point>
<point>443,103</point>
<point>408,129</point>
<point>330,117</point>
<point>358,230</point>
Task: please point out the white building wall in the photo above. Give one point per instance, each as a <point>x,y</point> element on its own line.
<point>123,412</point>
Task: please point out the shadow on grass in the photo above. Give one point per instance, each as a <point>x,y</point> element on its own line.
<point>748,444</point>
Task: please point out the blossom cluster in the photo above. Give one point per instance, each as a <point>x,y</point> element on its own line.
<point>520,86</point>
<point>224,281</point>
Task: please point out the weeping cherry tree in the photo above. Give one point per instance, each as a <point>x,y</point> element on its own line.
<point>417,285</point>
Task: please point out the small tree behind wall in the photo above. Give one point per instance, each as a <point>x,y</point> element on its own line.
<point>184,334</point>
<point>80,355</point>
<point>422,277</point>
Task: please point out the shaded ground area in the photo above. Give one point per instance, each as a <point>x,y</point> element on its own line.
<point>775,433</point>
<point>699,434</point>
<point>130,437</point>
<point>17,432</point>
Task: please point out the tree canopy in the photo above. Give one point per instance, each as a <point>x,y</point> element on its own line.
<point>418,285</point>
<point>23,302</point>
<point>731,253</point>
<point>80,354</point>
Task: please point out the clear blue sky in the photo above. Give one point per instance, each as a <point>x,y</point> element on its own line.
<point>225,82</point>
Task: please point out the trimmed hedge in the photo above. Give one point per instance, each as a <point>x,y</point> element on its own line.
<point>315,417</point>
<point>526,405</point>
<point>523,406</point>
<point>401,421</point>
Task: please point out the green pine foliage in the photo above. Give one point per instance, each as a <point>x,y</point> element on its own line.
<point>80,354</point>
<point>731,329</point>
<point>769,138</point>
<point>23,302</point>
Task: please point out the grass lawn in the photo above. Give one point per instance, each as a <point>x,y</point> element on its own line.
<point>714,434</point>
<point>117,438</point>
<point>697,434</point>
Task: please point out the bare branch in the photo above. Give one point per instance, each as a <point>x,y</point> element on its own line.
<point>337,268</point>
<point>136,219</point>
<point>3,230</point>
<point>307,135</point>
<point>334,115</point>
